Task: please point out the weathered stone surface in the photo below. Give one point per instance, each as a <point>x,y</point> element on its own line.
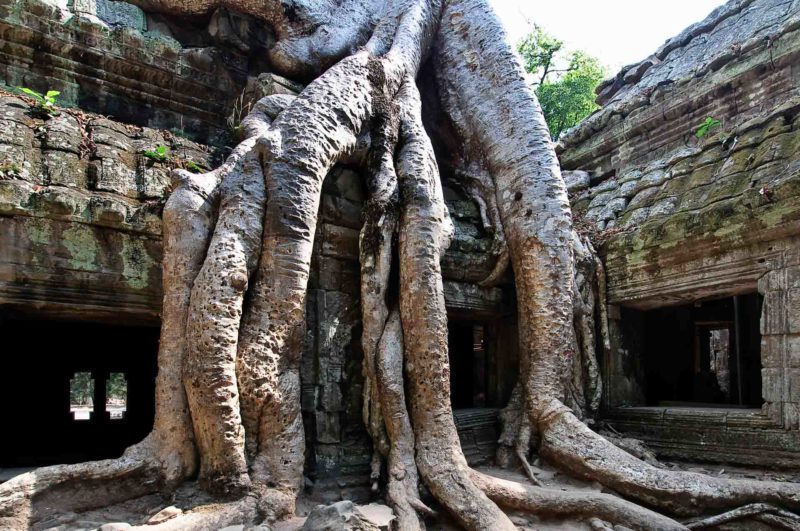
<point>683,218</point>
<point>167,513</point>
<point>576,180</point>
<point>340,516</point>
<point>793,351</point>
<point>171,77</point>
<point>117,13</point>
<point>115,526</point>
<point>747,437</point>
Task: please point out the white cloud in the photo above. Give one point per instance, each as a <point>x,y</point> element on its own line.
<point>618,32</point>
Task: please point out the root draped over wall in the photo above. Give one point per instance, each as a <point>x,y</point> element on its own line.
<point>238,247</point>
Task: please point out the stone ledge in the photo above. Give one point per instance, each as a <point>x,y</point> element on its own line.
<point>740,436</point>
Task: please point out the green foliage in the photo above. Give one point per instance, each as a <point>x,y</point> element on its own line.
<point>193,167</point>
<point>565,82</point>
<point>116,386</point>
<point>157,155</point>
<point>707,126</point>
<point>45,103</point>
<point>81,388</point>
<point>539,51</point>
<point>240,110</point>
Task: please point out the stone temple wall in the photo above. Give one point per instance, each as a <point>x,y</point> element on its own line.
<point>80,203</point>
<point>112,58</point>
<point>686,217</point>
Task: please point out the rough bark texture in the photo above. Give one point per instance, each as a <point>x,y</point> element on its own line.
<point>238,248</point>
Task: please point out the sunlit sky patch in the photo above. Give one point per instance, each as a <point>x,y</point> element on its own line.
<point>618,32</point>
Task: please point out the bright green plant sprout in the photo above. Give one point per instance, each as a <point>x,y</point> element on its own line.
<point>44,102</point>
<point>707,126</point>
<point>157,155</point>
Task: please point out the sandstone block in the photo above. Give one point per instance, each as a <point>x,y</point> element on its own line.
<point>167,513</point>
<point>576,180</point>
<point>793,310</point>
<point>63,133</point>
<point>792,351</point>
<point>772,385</point>
<point>339,242</point>
<point>772,351</point>
<point>773,314</point>
<point>794,385</point>
<point>329,429</point>
<point>116,13</point>
<point>331,397</point>
<point>340,516</point>
<point>64,168</point>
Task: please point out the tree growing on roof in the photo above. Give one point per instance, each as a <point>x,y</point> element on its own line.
<point>564,82</point>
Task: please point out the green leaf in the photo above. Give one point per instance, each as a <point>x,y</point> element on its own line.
<point>193,167</point>
<point>159,155</point>
<point>708,124</point>
<point>51,94</point>
<point>33,94</point>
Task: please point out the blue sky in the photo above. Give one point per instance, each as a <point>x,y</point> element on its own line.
<point>618,32</point>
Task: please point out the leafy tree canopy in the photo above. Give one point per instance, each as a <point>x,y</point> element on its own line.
<point>565,81</point>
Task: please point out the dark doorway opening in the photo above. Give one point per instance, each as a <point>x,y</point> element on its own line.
<point>74,391</point>
<point>704,354</point>
<point>468,365</point>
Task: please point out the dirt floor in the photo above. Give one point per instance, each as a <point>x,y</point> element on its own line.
<point>139,511</point>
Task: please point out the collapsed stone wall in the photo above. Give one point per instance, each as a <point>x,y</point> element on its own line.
<point>684,215</point>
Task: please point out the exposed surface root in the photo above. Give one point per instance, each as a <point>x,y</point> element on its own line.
<point>238,245</point>
<point>535,212</point>
<point>559,503</point>
<point>30,497</point>
<point>424,231</point>
<point>572,446</point>
<point>521,442</point>
<point>213,328</point>
<point>585,387</point>
<point>403,478</point>
<point>375,257</point>
<point>750,511</point>
<point>212,517</point>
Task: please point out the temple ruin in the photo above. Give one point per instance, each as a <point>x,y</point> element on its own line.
<point>699,236</point>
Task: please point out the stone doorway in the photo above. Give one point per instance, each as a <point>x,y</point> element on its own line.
<point>468,365</point>
<point>707,353</point>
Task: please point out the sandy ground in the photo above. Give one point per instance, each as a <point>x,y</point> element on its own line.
<point>138,511</point>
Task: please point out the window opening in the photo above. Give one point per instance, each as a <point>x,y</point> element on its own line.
<point>116,395</point>
<point>704,354</point>
<point>81,396</point>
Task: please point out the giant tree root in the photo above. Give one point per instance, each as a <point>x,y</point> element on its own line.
<point>35,495</point>
<point>757,511</point>
<point>572,446</point>
<point>557,503</point>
